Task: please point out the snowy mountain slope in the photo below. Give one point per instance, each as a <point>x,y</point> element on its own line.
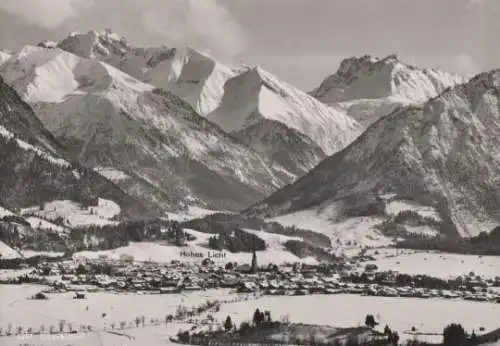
<point>368,87</point>
<point>109,119</point>
<point>49,75</point>
<point>105,212</point>
<point>443,155</point>
<point>283,145</point>
<point>4,56</point>
<point>256,95</point>
<point>18,118</point>
<point>200,79</point>
<point>34,167</point>
<point>195,77</point>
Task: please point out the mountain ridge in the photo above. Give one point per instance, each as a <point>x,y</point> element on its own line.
<point>433,154</point>
<point>109,119</point>
<point>35,166</point>
<point>268,98</point>
<point>190,74</point>
<point>201,81</point>
<point>370,87</point>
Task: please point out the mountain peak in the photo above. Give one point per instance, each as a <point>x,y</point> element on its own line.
<point>94,44</point>
<point>256,94</point>
<point>488,80</point>
<point>193,75</point>
<point>357,66</point>
<point>369,87</point>
<point>442,155</point>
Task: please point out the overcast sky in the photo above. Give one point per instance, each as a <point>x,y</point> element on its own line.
<point>301,41</point>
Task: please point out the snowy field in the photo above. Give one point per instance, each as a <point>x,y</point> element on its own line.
<point>395,207</point>
<point>191,213</point>
<point>442,265</point>
<point>16,310</point>
<point>401,314</point>
<point>165,253</point>
<point>7,252</point>
<point>74,215</point>
<point>360,230</point>
<point>150,336</point>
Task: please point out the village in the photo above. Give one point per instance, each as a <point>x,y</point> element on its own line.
<point>346,276</point>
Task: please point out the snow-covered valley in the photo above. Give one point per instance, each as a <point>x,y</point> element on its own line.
<point>150,178</point>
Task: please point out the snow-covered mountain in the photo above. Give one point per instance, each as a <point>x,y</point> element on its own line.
<point>257,104</point>
<point>34,168</point>
<point>4,56</point>
<point>194,76</point>
<point>368,87</point>
<point>149,141</point>
<point>200,80</point>
<point>283,145</point>
<point>439,161</point>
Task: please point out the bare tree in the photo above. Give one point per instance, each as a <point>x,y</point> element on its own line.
<point>61,326</point>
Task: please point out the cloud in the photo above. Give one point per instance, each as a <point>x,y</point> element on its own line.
<point>464,64</point>
<point>474,3</point>
<point>203,24</point>
<point>48,14</point>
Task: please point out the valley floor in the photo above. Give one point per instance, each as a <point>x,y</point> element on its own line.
<point>435,264</point>
<point>101,310</point>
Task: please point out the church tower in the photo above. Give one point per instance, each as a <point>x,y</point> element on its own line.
<point>254,267</point>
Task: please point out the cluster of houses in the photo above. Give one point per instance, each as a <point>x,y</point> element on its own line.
<point>293,279</point>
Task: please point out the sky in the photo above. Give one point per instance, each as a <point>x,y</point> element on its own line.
<point>301,41</point>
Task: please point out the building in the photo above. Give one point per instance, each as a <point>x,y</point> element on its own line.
<point>254,267</point>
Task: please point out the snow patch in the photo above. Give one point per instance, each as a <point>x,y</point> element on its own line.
<point>50,254</point>
<point>6,252</point>
<point>28,147</point>
<point>395,207</point>
<point>5,212</point>
<point>38,223</point>
<point>111,173</point>
<point>359,231</point>
<point>193,212</point>
<point>74,215</point>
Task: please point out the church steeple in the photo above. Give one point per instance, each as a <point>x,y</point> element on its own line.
<point>254,267</point>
